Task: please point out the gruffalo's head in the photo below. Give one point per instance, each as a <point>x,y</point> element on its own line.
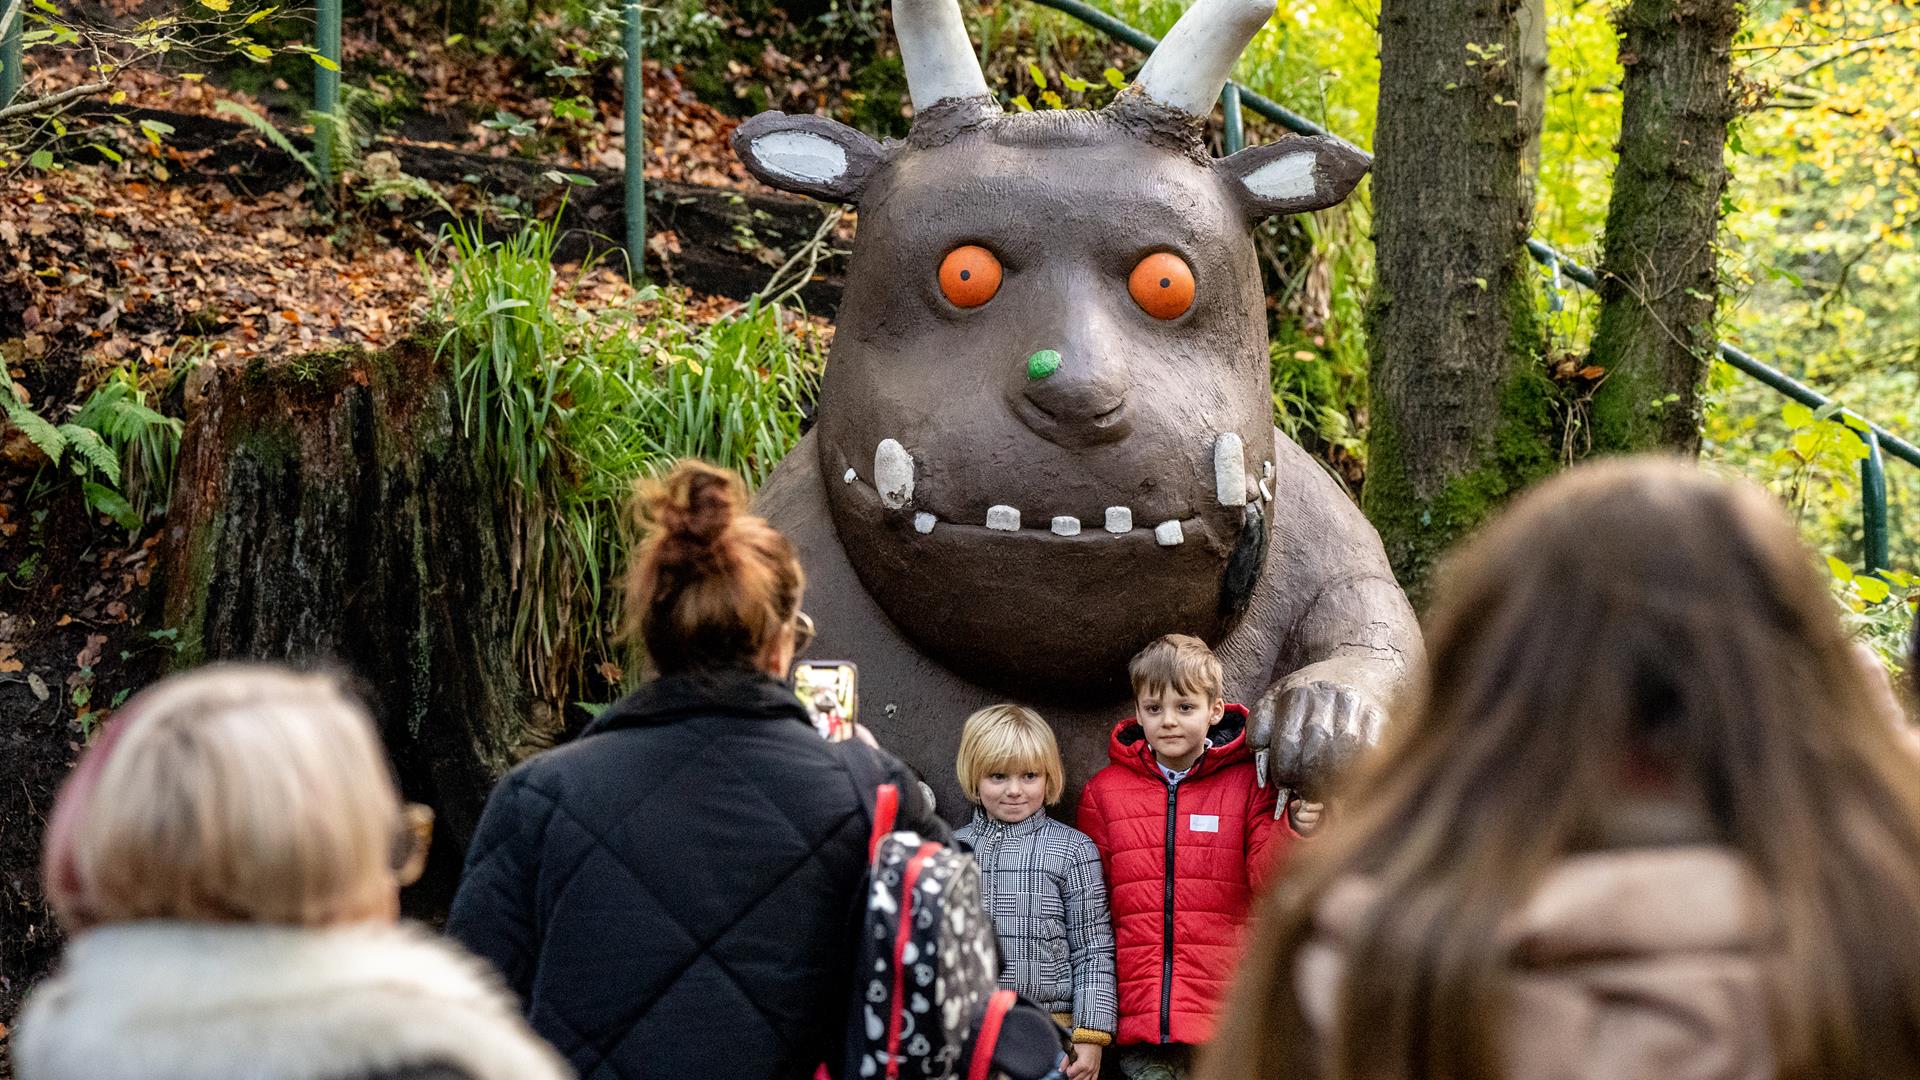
<point>1046,425</point>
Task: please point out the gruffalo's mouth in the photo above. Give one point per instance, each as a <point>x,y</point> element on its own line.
<point>892,480</point>
<point>1048,600</point>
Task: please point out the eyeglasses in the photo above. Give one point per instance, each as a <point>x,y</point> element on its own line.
<point>803,632</point>
<point>411,845</point>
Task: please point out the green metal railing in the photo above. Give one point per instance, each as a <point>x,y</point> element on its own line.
<point>10,50</point>
<point>326,88</point>
<point>636,132</point>
<point>1879,441</point>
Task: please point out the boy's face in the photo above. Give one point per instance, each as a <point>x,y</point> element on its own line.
<point>1176,723</point>
<point>1012,795</point>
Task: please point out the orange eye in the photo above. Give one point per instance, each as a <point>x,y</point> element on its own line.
<point>1162,285</point>
<point>969,276</point>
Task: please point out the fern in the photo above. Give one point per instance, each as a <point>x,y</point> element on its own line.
<point>105,500</point>
<point>91,456</point>
<point>120,449</point>
<point>273,134</point>
<point>36,427</point>
<point>140,439</point>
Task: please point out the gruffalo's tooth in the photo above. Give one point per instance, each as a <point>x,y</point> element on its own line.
<point>1066,526</point>
<point>1003,518</point>
<point>893,474</point>
<point>1119,519</point>
<point>1169,534</point>
<point>1230,470</point>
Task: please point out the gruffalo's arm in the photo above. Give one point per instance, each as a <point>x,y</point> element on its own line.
<point>1348,637</point>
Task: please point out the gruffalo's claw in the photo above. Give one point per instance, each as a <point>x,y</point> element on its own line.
<point>1324,717</point>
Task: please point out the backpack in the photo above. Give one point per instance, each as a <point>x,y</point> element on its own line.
<point>927,1003</point>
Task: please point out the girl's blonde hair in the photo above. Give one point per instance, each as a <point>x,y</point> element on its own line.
<point>238,792</point>
<point>1006,738</point>
<point>1625,615</point>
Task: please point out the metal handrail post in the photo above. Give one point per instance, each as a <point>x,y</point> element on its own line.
<point>10,53</point>
<point>1233,130</point>
<point>326,88</point>
<point>636,135</point>
<point>1873,506</point>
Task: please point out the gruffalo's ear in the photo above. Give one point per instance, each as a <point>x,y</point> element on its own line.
<point>809,155</point>
<point>1296,174</point>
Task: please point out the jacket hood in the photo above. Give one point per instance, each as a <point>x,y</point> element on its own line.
<point>1623,964</point>
<point>1226,744</point>
<point>731,692</point>
<point>151,1000</point>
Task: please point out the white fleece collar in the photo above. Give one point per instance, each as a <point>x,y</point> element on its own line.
<point>200,1001</point>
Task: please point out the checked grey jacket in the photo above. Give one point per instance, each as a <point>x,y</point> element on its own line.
<point>1041,881</point>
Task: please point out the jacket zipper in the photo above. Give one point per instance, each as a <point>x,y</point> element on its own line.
<point>1166,948</point>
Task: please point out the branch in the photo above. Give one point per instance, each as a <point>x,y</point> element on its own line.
<point>55,100</point>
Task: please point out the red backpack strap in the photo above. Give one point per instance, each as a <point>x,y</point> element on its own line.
<point>886,807</point>
<point>981,1064</point>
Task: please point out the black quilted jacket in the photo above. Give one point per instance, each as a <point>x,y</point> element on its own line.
<point>675,894</point>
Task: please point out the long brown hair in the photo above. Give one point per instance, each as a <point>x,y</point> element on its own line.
<point>711,586</point>
<point>1623,612</point>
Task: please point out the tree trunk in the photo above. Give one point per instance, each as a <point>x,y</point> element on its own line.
<point>1655,336</point>
<point>1463,413</point>
<point>328,511</point>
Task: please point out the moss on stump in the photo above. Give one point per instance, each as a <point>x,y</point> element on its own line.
<point>329,511</point>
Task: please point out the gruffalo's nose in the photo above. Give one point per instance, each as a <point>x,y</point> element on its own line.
<point>1075,397</point>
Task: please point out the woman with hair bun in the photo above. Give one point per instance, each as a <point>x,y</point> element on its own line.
<point>676,893</point>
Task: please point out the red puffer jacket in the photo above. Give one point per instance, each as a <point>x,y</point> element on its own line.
<point>1183,862</point>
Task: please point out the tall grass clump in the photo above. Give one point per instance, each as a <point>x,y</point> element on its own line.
<point>568,404</point>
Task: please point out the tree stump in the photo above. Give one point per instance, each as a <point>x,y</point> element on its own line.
<point>329,511</point>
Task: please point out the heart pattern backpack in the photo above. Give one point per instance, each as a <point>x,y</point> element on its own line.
<point>927,1005</point>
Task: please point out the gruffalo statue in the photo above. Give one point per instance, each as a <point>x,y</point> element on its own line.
<point>1045,433</point>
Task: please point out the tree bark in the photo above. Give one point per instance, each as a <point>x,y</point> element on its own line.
<point>1659,277</point>
<point>1462,411</point>
<point>328,511</point>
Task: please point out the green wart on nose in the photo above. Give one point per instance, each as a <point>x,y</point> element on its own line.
<point>1042,364</point>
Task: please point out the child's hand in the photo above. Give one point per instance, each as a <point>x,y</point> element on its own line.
<point>1305,815</point>
<point>1085,1064</point>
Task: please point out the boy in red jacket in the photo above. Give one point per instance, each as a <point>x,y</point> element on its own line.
<point>1186,836</point>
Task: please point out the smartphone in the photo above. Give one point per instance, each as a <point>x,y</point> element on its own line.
<point>830,689</point>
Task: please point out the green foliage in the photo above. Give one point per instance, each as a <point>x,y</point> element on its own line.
<point>117,448</point>
<point>272,133</point>
<point>144,441</point>
<point>46,119</point>
<point>372,176</point>
<point>1879,609</point>
<point>569,403</point>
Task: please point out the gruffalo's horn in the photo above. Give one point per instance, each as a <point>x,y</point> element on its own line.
<point>1191,66</point>
<point>938,57</point>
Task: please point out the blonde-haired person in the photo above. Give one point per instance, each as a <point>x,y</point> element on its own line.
<point>1040,878</point>
<point>1646,820</point>
<point>228,856</point>
<point>673,893</point>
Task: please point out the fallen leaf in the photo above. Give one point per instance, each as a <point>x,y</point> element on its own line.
<point>90,655</point>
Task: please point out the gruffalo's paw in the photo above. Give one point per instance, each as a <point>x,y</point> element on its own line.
<point>1316,722</point>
